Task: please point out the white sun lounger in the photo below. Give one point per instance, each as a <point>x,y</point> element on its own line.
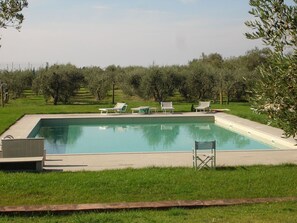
<point>119,108</point>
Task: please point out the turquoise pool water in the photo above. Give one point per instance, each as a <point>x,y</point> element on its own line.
<point>83,136</point>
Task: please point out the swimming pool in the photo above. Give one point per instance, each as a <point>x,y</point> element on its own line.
<point>116,135</point>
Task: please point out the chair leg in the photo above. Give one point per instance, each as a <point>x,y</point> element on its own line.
<point>194,162</point>
<point>204,163</point>
<point>208,162</point>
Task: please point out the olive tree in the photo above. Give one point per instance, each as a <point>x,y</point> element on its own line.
<point>131,79</point>
<point>200,82</point>
<point>216,61</point>
<point>10,13</point>
<point>97,82</point>
<point>10,16</point>
<point>113,72</point>
<point>159,83</point>
<point>59,82</point>
<point>16,82</point>
<point>233,80</point>
<point>248,65</point>
<point>276,92</point>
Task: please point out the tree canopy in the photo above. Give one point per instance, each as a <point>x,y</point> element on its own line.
<point>59,82</point>
<point>276,92</point>
<point>11,13</point>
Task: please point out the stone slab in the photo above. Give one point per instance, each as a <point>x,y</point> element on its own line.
<point>158,205</point>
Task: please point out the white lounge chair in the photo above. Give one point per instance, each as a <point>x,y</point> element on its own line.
<point>141,110</point>
<point>203,106</point>
<point>167,106</point>
<point>119,108</point>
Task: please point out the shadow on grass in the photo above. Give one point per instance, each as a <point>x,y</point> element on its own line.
<point>228,168</point>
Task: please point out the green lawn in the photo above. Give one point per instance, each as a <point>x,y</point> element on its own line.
<point>155,184</point>
<point>148,184</point>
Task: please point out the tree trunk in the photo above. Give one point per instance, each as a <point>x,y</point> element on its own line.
<point>113,102</point>
<point>221,97</point>
<point>1,92</point>
<point>56,100</point>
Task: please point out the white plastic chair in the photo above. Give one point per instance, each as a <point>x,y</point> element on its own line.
<point>203,106</point>
<point>167,106</point>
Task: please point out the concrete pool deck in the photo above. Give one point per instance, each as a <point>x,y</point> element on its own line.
<point>287,152</point>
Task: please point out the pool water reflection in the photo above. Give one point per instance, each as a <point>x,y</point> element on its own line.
<point>84,138</point>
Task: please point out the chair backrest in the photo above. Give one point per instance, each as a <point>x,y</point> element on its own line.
<point>204,104</point>
<point>207,145</point>
<point>166,104</point>
<point>119,105</point>
<point>27,147</point>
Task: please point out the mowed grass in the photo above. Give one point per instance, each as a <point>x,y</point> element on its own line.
<point>155,184</point>
<point>148,184</point>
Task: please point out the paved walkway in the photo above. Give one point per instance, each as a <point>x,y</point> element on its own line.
<point>287,152</point>
<point>158,205</point>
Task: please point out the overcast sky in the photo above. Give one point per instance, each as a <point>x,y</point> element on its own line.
<point>126,32</point>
